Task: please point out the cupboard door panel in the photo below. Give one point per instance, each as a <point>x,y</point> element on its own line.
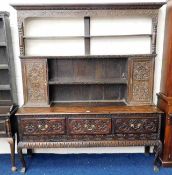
<point>141,72</point>
<point>35,82</point>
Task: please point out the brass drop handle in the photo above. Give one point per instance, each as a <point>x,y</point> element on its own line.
<point>135,126</point>
<point>42,127</point>
<point>89,127</point>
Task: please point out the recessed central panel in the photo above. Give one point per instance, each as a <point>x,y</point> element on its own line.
<point>88,80</point>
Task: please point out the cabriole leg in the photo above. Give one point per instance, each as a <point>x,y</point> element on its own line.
<point>20,153</point>
<point>157,161</point>
<point>11,141</point>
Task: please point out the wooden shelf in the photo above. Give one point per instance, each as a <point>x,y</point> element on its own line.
<point>75,82</point>
<point>3,66</point>
<point>80,37</point>
<point>93,102</point>
<point>5,87</point>
<point>3,44</point>
<point>90,56</point>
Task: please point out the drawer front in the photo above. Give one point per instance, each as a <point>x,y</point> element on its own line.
<point>89,126</point>
<point>3,130</point>
<point>43,126</point>
<point>136,125</point>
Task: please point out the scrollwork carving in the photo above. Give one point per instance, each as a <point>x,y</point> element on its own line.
<point>89,126</point>
<point>136,125</point>
<point>36,82</point>
<point>43,126</point>
<point>141,70</point>
<point>142,81</point>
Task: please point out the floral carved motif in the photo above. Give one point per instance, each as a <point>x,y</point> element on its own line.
<point>89,126</point>
<point>136,125</point>
<point>36,82</point>
<point>43,126</point>
<point>142,81</point>
<point>141,70</point>
<point>141,91</point>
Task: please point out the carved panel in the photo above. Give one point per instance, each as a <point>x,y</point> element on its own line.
<point>136,125</point>
<point>141,81</point>
<point>43,126</point>
<point>89,126</point>
<point>35,82</point>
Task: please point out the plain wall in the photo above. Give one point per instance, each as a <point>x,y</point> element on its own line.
<point>5,6</point>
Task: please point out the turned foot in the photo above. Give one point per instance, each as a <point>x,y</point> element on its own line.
<point>23,170</point>
<point>156,169</point>
<point>13,169</point>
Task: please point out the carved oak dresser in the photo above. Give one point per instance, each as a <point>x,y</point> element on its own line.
<point>76,95</point>
<point>8,94</point>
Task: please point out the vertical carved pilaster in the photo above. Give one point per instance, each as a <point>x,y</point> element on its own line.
<point>35,80</point>
<point>154,34</point>
<point>141,81</point>
<point>21,40</point>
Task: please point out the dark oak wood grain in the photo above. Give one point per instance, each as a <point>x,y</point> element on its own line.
<point>95,100</point>
<point>165,95</point>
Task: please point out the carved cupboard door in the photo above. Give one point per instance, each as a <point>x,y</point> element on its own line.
<point>140,89</point>
<point>35,82</point>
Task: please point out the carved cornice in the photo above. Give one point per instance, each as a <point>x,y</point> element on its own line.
<point>105,6</point>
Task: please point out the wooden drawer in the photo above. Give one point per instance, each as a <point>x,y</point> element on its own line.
<point>136,125</point>
<point>89,126</point>
<point>42,126</point>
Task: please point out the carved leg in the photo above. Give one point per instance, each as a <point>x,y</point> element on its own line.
<point>29,152</point>
<point>147,150</point>
<point>23,170</point>
<point>11,141</point>
<point>158,151</point>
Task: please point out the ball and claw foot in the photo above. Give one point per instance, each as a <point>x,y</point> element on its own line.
<point>156,169</point>
<point>23,170</point>
<point>13,169</point>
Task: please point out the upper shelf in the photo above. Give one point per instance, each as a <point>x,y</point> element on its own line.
<point>3,66</point>
<point>71,37</point>
<point>5,87</point>
<point>3,44</point>
<point>91,56</point>
<point>91,6</point>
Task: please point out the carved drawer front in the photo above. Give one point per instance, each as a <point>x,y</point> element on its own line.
<point>43,126</point>
<point>136,125</point>
<point>89,126</point>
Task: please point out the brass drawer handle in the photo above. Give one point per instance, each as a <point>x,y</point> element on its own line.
<point>89,127</point>
<point>42,127</point>
<point>135,126</point>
